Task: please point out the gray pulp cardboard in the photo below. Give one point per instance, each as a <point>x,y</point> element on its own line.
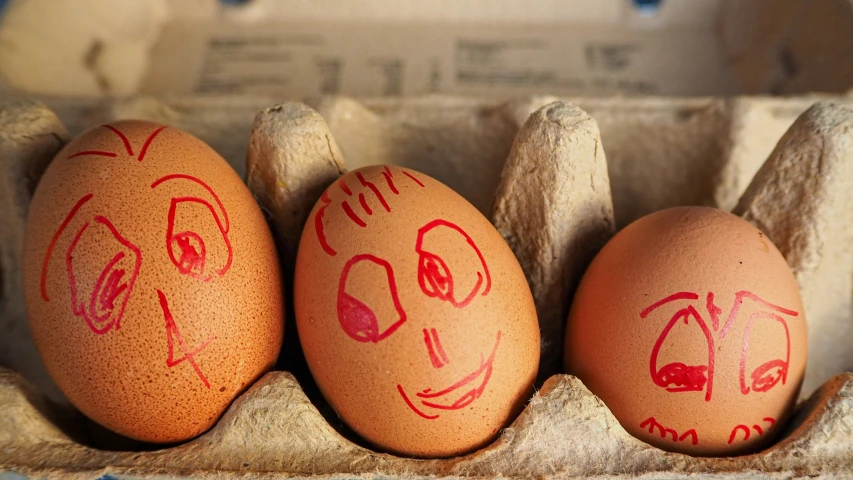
<point>30,135</point>
<point>565,209</point>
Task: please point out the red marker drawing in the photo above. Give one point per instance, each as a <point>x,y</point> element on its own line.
<point>771,372</point>
<point>746,431</point>
<point>414,179</point>
<point>665,432</point>
<point>52,245</point>
<point>366,190</point>
<point>373,188</point>
<point>173,334</point>
<point>187,249</point>
<point>458,395</point>
<point>436,351</point>
<point>125,141</point>
<point>103,307</point>
<point>123,138</point>
<point>678,377</point>
<point>389,179</point>
<point>356,318</point>
<point>320,229</point>
<point>94,152</point>
<point>434,276</point>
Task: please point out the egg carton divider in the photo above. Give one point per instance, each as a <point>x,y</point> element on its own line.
<point>555,207</point>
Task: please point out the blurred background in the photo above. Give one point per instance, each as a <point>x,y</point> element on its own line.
<point>369,48</point>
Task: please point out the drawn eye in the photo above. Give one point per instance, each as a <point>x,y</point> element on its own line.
<point>441,241</point>
<point>694,374</point>
<point>100,297</point>
<point>197,231</point>
<point>435,278</point>
<point>763,366</point>
<point>188,248</point>
<point>190,221</point>
<point>368,306</point>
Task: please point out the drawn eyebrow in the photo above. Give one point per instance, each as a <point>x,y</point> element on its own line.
<point>94,152</point>
<point>388,179</point>
<point>413,178</point>
<point>318,225</point>
<point>363,201</point>
<point>148,143</point>
<point>352,215</point>
<point>375,190</point>
<point>672,298</point>
<point>204,185</point>
<point>739,297</point>
<point>222,224</point>
<point>124,139</point>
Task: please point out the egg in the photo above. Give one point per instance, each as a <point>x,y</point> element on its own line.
<point>416,319</point>
<point>151,280</point>
<point>689,326</point>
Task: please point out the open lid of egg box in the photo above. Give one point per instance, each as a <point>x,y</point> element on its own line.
<point>584,167</point>
<point>295,48</point>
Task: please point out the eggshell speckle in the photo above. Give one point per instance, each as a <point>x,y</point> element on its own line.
<point>689,326</point>
<point>415,317</point>
<point>151,280</point>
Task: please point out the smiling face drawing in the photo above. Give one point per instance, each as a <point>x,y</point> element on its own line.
<point>435,279</point>
<point>693,311</point>
<point>140,267</point>
<point>416,314</point>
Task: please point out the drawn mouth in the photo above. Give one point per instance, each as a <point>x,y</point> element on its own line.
<point>460,394</point>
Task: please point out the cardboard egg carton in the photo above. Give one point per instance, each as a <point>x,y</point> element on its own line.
<point>557,178</point>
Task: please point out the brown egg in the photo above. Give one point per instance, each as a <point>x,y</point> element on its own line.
<point>689,326</point>
<point>415,317</point>
<point>151,280</point>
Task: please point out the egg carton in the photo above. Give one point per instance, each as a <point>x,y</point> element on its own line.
<point>556,191</point>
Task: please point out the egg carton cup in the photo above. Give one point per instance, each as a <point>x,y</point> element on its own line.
<point>539,169</point>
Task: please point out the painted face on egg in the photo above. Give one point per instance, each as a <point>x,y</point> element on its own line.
<point>435,279</point>
<point>100,302</point>
<point>699,377</point>
<point>695,312</point>
<point>142,284</point>
<point>412,282</point>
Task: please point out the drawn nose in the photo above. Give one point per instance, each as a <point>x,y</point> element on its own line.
<point>436,352</point>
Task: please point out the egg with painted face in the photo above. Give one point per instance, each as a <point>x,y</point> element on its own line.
<point>415,317</point>
<point>151,280</point>
<point>689,326</point>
